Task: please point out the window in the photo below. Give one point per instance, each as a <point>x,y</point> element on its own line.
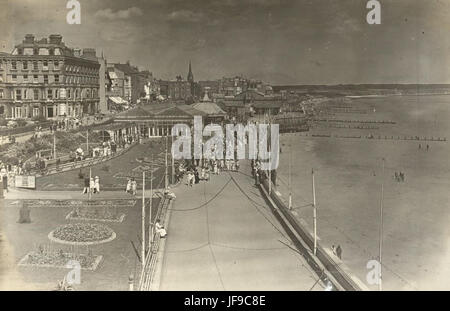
<point>35,65</point>
<point>35,94</point>
<point>35,78</point>
<point>25,94</point>
<point>20,51</point>
<point>49,94</point>
<point>56,64</point>
<point>51,51</point>
<point>68,93</point>
<point>18,94</point>
<point>14,65</point>
<point>14,77</point>
<point>25,78</point>
<point>56,93</point>
<point>45,65</point>
<point>56,78</point>
<point>2,93</point>
<point>25,65</point>
<point>45,78</point>
<point>35,111</point>
<point>35,51</point>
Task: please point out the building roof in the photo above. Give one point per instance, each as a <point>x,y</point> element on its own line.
<point>127,68</point>
<point>209,108</point>
<point>160,112</point>
<point>137,112</point>
<point>182,110</point>
<point>266,104</point>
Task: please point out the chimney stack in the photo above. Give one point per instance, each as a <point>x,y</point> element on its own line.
<point>55,39</point>
<point>29,38</point>
<point>77,52</point>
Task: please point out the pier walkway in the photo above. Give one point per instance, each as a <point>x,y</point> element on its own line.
<point>222,236</point>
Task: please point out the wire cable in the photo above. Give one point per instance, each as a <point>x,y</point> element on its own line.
<point>204,204</point>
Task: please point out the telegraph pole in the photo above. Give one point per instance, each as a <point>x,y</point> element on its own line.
<point>165,173</point>
<point>54,145</point>
<point>87,143</point>
<point>173,164</point>
<point>314,213</point>
<point>143,221</point>
<point>290,174</point>
<point>150,229</point>
<point>90,177</point>
<point>380,286</point>
<point>270,159</point>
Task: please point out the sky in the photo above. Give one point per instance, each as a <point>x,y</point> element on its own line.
<point>278,41</point>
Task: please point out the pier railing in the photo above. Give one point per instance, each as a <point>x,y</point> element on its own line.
<point>339,274</point>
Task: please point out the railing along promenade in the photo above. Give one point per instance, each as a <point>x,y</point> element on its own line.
<point>325,266</point>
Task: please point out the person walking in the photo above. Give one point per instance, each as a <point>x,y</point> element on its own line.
<point>97,185</point>
<point>86,185</point>
<point>202,174</point>
<point>133,186</point>
<point>207,174</point>
<point>196,177</point>
<point>339,252</point>
<point>91,185</point>
<point>128,187</point>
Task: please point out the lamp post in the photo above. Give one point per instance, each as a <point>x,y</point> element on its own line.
<point>143,221</point>
<point>380,285</point>
<point>314,213</point>
<point>150,224</point>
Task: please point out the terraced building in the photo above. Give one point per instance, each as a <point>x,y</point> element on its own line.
<point>46,79</point>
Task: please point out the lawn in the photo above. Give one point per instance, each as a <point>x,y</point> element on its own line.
<point>114,173</point>
<point>17,240</point>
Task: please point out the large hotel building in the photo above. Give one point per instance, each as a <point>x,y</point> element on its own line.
<point>46,79</point>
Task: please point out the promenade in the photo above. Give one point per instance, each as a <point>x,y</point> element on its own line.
<point>222,236</point>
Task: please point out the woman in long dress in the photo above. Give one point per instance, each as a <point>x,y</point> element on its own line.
<point>128,187</point>
<point>133,186</point>
<point>91,185</point>
<point>97,185</point>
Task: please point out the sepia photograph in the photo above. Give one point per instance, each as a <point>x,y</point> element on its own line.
<point>224,146</point>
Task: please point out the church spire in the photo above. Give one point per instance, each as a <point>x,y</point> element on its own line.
<point>190,76</point>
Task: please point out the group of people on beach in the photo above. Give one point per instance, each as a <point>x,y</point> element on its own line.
<point>399,176</point>
<point>427,148</point>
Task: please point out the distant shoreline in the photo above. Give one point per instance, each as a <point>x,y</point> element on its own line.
<point>390,95</point>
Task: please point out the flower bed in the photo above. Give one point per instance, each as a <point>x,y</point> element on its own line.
<point>82,234</point>
<point>95,215</point>
<point>59,260</point>
<point>80,203</point>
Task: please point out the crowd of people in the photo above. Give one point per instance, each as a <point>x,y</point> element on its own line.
<point>201,170</point>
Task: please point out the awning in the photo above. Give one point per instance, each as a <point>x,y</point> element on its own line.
<point>112,75</point>
<point>118,100</point>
